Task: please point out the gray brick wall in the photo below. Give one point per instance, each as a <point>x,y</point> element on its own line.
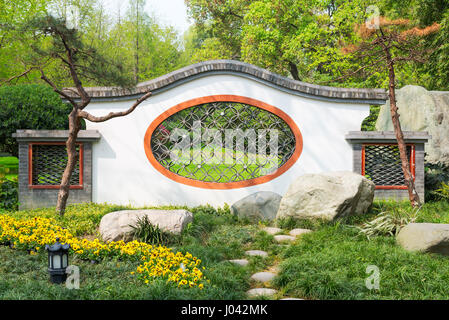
<point>39,198</point>
<point>357,138</point>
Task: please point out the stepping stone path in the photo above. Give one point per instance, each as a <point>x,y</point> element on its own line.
<point>240,262</point>
<point>263,276</point>
<point>283,238</point>
<point>272,230</point>
<point>261,292</point>
<point>266,276</point>
<point>257,253</point>
<point>299,232</point>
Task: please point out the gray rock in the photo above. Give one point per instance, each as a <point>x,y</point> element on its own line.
<point>263,276</point>
<point>256,253</point>
<point>298,232</point>
<point>272,230</point>
<point>240,262</point>
<point>283,238</point>
<point>422,110</point>
<point>115,226</point>
<point>425,237</point>
<point>327,196</point>
<point>258,206</point>
<point>260,292</point>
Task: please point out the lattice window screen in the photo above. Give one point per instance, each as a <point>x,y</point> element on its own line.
<point>48,164</point>
<point>382,164</point>
<point>222,116</point>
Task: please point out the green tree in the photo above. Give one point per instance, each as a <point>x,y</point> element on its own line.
<point>389,43</point>
<point>53,42</point>
<point>301,38</point>
<point>29,107</point>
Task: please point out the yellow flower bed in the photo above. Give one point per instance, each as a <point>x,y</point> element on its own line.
<point>156,262</point>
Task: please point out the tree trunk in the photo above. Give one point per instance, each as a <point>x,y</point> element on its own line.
<point>72,156</point>
<point>413,195</point>
<point>294,71</point>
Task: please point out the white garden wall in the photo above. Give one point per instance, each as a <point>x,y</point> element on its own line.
<point>122,174</point>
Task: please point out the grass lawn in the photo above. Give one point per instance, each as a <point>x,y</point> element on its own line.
<point>11,164</point>
<point>329,263</point>
<point>230,165</point>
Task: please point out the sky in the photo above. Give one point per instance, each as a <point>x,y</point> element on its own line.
<point>167,12</point>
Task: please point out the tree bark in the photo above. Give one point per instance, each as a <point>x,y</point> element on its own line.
<point>405,164</point>
<point>72,158</point>
<point>294,71</point>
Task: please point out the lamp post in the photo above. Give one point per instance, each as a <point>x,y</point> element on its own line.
<point>58,260</point>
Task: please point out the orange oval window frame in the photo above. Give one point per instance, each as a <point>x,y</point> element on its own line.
<point>223,185</point>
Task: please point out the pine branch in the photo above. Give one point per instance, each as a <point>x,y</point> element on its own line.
<point>55,89</point>
<point>23,74</point>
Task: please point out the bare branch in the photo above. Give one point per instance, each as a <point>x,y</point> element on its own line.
<point>88,116</point>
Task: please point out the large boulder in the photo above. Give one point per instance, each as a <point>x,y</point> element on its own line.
<point>258,206</point>
<point>425,237</point>
<point>115,226</point>
<point>327,196</point>
<point>422,110</point>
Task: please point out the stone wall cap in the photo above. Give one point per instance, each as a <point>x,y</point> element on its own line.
<point>386,136</point>
<point>55,135</point>
<point>238,68</point>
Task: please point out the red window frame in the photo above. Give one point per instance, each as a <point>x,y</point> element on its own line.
<point>411,161</point>
<point>30,166</point>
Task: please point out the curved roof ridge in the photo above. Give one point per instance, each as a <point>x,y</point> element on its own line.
<point>238,68</point>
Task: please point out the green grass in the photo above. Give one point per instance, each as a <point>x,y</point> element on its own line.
<point>329,263</point>
<point>24,276</point>
<point>11,164</point>
<point>214,236</point>
<point>245,166</point>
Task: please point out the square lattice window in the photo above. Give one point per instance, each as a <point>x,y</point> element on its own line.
<point>47,162</point>
<point>381,164</point>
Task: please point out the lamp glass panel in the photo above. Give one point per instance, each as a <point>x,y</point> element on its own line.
<point>56,262</point>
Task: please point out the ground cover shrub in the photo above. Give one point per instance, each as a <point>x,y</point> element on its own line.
<point>80,219</point>
<point>144,231</point>
<point>389,223</point>
<point>25,277</point>
<point>157,262</point>
<point>331,263</point>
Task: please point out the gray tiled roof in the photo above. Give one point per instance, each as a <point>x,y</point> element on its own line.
<point>238,68</point>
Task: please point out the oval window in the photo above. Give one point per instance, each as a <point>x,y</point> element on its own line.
<point>223,142</point>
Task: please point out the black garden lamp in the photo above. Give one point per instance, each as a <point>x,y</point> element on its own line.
<point>58,260</point>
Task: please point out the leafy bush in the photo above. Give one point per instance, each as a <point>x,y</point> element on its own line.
<point>435,175</point>
<point>9,194</point>
<point>443,192</point>
<point>145,231</point>
<point>389,223</point>
<point>29,107</point>
<point>369,123</point>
